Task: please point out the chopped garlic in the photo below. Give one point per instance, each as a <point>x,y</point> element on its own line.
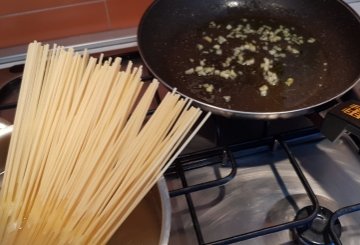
<point>209,70</point>
<point>221,39</point>
<point>208,87</point>
<point>249,62</point>
<point>216,46</point>
<point>199,68</point>
<point>275,43</point>
<point>311,40</point>
<point>267,64</point>
<point>277,48</point>
<point>227,62</point>
<point>227,98</point>
<point>228,74</point>
<point>271,77</point>
<point>232,74</point>
<point>208,39</point>
<point>190,71</point>
<point>212,24</point>
<point>289,81</point>
<point>240,59</point>
<point>292,50</point>
<point>248,46</point>
<point>272,52</point>
<point>225,74</point>
<point>263,90</point>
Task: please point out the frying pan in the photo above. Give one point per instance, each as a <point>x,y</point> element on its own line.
<point>170,30</point>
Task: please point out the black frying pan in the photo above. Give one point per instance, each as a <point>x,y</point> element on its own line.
<point>170,30</point>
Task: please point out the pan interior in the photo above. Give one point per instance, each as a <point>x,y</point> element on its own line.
<point>170,32</point>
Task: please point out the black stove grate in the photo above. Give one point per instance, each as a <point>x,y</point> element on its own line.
<point>200,159</point>
<point>204,158</point>
<point>337,214</point>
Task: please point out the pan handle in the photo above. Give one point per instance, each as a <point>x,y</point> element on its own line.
<point>343,118</point>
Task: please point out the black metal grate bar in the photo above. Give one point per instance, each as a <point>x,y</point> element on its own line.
<point>200,159</point>
<point>227,157</point>
<point>301,176</point>
<point>190,204</point>
<point>340,212</point>
<point>284,226</point>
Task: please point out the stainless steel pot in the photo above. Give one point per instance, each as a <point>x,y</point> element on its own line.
<point>149,223</point>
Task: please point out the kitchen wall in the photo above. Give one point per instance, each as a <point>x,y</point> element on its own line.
<point>24,21</point>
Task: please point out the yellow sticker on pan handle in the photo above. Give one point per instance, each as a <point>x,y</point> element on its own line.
<point>352,110</point>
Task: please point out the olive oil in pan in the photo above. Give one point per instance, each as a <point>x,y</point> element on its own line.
<point>249,64</point>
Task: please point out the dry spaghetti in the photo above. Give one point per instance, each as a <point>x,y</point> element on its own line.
<point>84,152</point>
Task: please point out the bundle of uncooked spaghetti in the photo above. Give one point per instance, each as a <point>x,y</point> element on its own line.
<point>84,152</point>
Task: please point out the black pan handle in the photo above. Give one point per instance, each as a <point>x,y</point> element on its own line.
<point>344,117</point>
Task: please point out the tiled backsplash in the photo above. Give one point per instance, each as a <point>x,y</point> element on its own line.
<point>24,21</point>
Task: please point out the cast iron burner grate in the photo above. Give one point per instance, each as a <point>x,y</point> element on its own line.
<point>312,225</point>
<point>317,232</point>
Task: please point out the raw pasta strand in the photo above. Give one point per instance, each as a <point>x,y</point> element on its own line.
<point>133,200</point>
<point>132,183</point>
<point>47,124</point>
<point>24,168</point>
<point>18,134</point>
<point>88,203</point>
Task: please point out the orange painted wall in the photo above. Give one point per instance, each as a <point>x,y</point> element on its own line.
<point>24,21</point>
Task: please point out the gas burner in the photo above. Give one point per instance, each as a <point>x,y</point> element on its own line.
<point>317,232</point>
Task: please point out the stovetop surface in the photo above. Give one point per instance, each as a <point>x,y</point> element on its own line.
<point>267,192</point>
